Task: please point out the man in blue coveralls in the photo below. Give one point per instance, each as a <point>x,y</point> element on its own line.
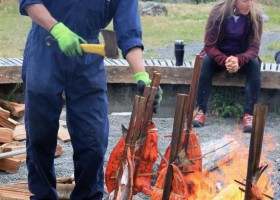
<point>47,72</point>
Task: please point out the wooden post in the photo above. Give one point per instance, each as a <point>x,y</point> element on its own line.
<point>178,126</point>
<point>255,146</point>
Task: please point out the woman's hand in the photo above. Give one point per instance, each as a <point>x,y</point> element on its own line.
<point>231,64</point>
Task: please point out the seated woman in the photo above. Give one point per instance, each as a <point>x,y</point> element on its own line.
<point>232,43</point>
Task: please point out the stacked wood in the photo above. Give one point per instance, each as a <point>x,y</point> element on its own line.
<point>63,134</point>
<point>6,135</point>
<point>19,133</point>
<point>12,153</point>
<point>19,190</point>
<point>16,109</point>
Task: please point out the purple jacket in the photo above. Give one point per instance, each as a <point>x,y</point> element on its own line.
<point>250,47</point>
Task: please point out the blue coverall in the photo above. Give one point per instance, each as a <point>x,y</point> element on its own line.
<point>47,73</point>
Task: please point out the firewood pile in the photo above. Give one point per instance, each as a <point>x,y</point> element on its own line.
<point>13,149</point>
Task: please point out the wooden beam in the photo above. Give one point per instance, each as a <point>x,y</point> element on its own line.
<point>118,71</point>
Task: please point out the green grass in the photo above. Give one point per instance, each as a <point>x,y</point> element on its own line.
<point>184,22</point>
<point>13,29</point>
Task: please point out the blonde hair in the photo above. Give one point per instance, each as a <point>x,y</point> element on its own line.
<point>226,9</point>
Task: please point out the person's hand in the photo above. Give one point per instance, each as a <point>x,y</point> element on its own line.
<point>231,64</point>
<point>68,41</point>
<point>142,79</point>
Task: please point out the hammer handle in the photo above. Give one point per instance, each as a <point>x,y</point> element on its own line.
<point>94,48</point>
<point>87,48</point>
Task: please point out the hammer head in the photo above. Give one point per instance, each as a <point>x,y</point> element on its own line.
<point>110,41</point>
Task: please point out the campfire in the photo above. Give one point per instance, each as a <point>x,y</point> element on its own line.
<point>216,170</point>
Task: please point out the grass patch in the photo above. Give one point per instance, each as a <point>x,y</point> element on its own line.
<point>13,29</point>
<point>184,22</point>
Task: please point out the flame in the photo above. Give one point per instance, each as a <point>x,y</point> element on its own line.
<point>220,183</point>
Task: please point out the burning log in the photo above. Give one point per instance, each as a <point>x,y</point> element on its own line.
<point>218,152</point>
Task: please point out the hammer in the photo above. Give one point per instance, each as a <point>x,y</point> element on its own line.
<point>109,49</point>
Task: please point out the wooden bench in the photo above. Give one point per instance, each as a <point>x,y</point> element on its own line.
<point>118,71</point>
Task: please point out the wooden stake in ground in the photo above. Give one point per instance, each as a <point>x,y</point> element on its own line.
<point>178,126</point>
<point>123,189</point>
<point>254,170</point>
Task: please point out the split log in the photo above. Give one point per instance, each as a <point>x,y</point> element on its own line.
<point>65,180</point>
<point>16,109</point>
<point>59,150</point>
<point>6,135</point>
<point>10,165</point>
<point>13,193</point>
<point>19,133</point>
<point>4,113</point>
<point>8,123</point>
<point>63,134</point>
<point>19,191</point>
<point>11,146</point>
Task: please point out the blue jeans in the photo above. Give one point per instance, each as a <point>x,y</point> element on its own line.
<point>252,84</point>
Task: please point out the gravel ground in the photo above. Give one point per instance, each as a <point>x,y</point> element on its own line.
<point>215,128</point>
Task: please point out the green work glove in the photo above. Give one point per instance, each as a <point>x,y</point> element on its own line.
<point>68,41</point>
<point>142,79</point>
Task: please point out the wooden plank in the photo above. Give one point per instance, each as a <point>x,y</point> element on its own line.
<point>4,113</point>
<point>270,80</point>
<point>169,63</point>
<point>19,133</point>
<point>13,146</point>
<point>63,134</point>
<point>59,150</point>
<point>20,158</point>
<point>118,71</point>
<point>9,165</point>
<point>14,61</point>
<point>162,63</point>
<point>6,62</point>
<point>13,192</point>
<point>6,135</point>
<point>8,123</point>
